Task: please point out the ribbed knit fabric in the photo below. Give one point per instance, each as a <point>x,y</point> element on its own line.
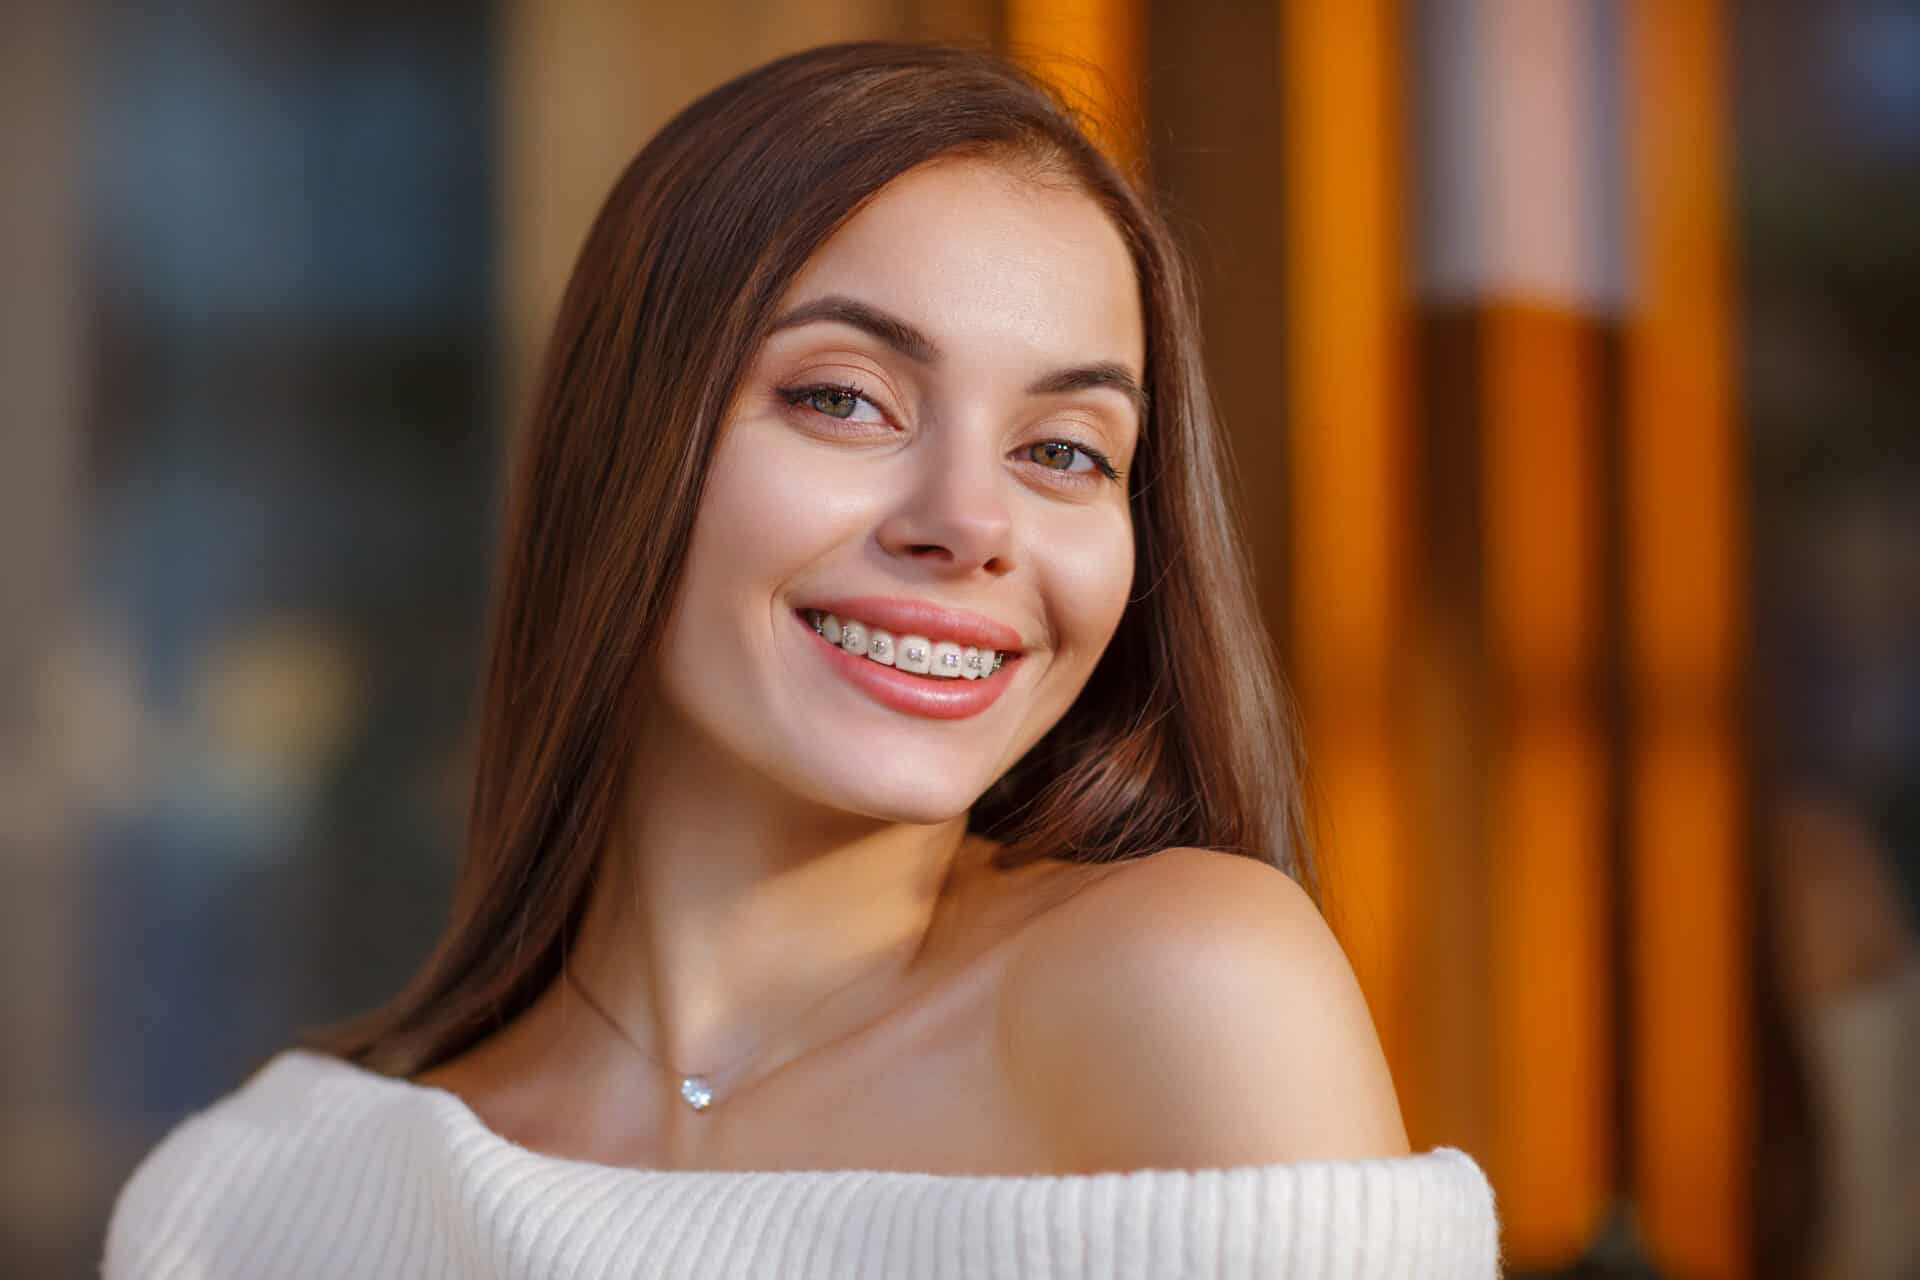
<point>319,1168</point>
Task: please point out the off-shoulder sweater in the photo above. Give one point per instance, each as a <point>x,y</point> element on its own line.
<point>316,1167</point>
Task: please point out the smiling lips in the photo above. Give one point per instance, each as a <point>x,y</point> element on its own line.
<point>913,657</point>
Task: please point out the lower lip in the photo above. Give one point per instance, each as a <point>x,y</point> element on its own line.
<point>935,697</point>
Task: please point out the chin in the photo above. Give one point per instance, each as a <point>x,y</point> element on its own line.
<point>907,799</point>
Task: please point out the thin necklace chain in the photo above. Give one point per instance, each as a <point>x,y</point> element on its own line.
<point>709,1084</point>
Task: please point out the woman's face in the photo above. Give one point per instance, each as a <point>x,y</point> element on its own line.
<point>921,447</point>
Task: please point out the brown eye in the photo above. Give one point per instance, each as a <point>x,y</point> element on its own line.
<point>833,402</point>
<point>1053,454</point>
<point>836,400</point>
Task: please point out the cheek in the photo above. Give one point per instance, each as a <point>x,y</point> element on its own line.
<point>747,513</point>
<point>1089,575</point>
<point>764,516</point>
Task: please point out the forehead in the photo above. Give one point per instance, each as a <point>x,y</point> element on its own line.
<point>980,256</point>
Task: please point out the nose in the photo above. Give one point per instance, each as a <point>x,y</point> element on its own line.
<point>955,516</point>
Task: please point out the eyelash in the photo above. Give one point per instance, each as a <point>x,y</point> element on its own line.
<point>795,397</point>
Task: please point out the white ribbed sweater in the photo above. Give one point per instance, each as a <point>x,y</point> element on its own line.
<point>320,1168</point>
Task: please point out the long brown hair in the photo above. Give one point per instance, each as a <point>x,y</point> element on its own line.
<point>1181,736</point>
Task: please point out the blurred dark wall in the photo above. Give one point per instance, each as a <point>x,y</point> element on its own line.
<point>1828,109</point>
<point>272,559</point>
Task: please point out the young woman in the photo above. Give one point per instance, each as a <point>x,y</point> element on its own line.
<point>885,817</point>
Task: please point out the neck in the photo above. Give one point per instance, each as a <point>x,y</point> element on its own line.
<point>725,910</point>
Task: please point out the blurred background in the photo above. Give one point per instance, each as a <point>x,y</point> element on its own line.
<point>1568,349</point>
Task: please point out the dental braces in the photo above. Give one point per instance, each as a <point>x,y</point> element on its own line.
<point>819,620</point>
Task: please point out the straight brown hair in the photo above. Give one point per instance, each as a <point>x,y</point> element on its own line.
<point>1182,735</point>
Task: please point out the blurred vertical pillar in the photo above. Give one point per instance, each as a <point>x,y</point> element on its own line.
<point>1215,134</point>
<point>1686,609</point>
<point>585,84</point>
<point>968,22</point>
<point>52,1151</point>
<point>1094,50</point>
<point>1519,277</point>
<point>42,145</point>
<point>1345,351</point>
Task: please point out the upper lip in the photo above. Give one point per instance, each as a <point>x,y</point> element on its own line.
<point>923,617</point>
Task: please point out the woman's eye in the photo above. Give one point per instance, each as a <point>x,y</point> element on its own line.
<point>1061,455</point>
<point>1056,454</point>
<point>833,400</point>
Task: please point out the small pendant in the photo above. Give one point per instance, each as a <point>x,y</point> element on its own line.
<point>697,1092</point>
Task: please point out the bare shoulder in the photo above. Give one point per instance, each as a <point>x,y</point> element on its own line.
<point>1191,1009</point>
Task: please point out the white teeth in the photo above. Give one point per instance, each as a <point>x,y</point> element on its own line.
<point>916,654</point>
<point>946,660</point>
<point>943,659</point>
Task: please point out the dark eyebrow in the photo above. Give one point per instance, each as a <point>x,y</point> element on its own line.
<point>914,344</point>
<point>1104,374</point>
<point>890,329</point>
